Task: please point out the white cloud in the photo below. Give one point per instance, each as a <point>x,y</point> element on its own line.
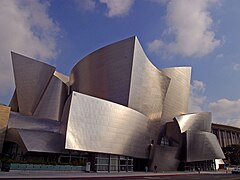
<point>87,5</point>
<point>190,23</point>
<point>155,45</point>
<point>236,67</point>
<point>25,28</point>
<point>118,7</point>
<point>226,111</point>
<point>197,97</point>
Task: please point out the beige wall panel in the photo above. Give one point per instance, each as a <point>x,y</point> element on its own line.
<point>4,117</point>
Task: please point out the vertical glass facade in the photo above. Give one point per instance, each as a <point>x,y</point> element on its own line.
<point>110,163</point>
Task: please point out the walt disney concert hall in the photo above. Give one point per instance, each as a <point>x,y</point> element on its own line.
<point>115,110</point>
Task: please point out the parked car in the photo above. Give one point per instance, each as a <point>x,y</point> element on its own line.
<point>236,170</point>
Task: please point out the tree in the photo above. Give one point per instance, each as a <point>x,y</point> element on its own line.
<point>232,153</point>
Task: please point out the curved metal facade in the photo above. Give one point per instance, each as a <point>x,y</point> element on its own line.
<point>195,121</point>
<point>97,125</point>
<point>53,100</point>
<point>19,121</point>
<point>122,73</point>
<point>148,85</point>
<point>176,101</point>
<point>196,142</point>
<point>34,134</point>
<point>202,146</point>
<point>115,101</point>
<point>31,79</point>
<point>44,141</point>
<point>105,73</point>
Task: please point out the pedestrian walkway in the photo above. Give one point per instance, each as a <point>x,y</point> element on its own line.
<point>15,174</point>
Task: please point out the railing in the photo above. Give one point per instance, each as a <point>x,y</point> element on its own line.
<point>16,166</point>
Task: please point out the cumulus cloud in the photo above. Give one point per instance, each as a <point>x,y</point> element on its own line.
<point>197,97</point>
<point>226,111</point>
<point>155,45</point>
<point>87,5</point>
<point>117,7</point>
<point>190,23</point>
<point>26,28</point>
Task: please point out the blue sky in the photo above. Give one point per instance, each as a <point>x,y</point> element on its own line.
<point>203,34</point>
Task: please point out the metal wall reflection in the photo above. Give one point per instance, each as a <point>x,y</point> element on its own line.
<point>202,146</point>
<point>176,101</point>
<point>195,121</point>
<point>105,73</point>
<point>97,125</point>
<point>31,79</point>
<point>53,100</point>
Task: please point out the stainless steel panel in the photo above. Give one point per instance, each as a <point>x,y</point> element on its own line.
<point>36,141</point>
<point>13,103</point>
<point>106,72</point>
<point>65,114</point>
<point>101,126</point>
<point>19,121</point>
<point>148,85</point>
<point>195,121</point>
<point>62,77</point>
<point>31,79</point>
<point>52,102</point>
<point>147,90</point>
<point>176,101</point>
<point>173,132</point>
<point>202,146</point>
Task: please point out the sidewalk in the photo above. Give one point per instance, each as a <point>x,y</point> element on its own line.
<point>19,174</point>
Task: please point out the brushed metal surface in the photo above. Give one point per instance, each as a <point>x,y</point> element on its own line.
<point>122,73</point>
<point>13,103</point>
<point>62,77</point>
<point>65,115</point>
<point>148,89</point>
<point>202,146</point>
<point>115,101</point>
<point>31,79</point>
<point>34,134</point>
<point>148,85</point>
<point>19,121</point>
<point>106,72</point>
<point>98,125</point>
<point>195,121</point>
<point>176,101</point>
<point>36,141</point>
<point>53,100</point>
<point>191,134</point>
